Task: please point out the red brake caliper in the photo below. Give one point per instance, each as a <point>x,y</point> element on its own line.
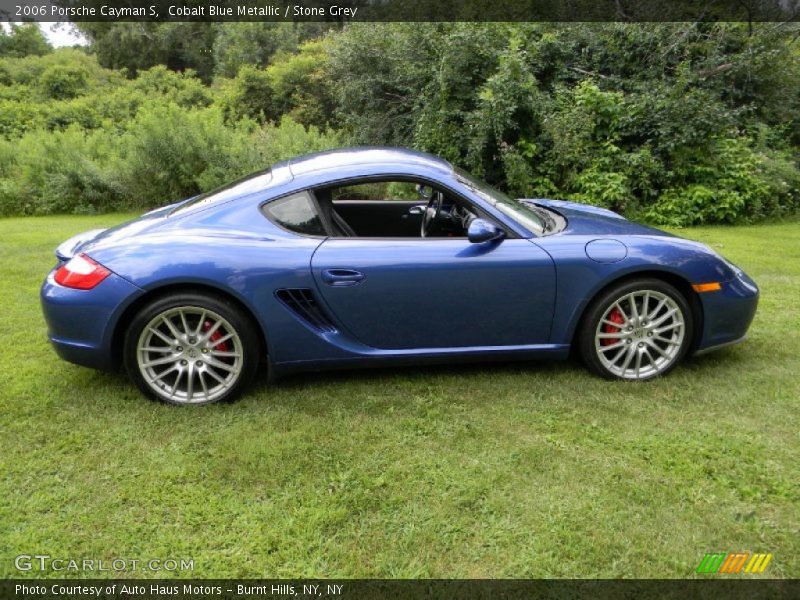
<point>616,317</point>
<point>223,347</point>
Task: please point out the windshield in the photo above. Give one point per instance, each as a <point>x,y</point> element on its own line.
<point>242,187</point>
<point>524,215</point>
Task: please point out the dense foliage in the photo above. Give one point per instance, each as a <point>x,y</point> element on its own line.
<point>23,40</point>
<point>675,123</point>
<point>75,137</point>
<point>682,123</point>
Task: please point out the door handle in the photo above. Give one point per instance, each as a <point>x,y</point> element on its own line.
<point>342,277</point>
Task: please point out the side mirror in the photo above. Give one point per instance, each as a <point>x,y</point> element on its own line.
<point>481,231</point>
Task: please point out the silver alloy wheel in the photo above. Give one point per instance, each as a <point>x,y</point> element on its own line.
<point>189,355</point>
<point>640,334</point>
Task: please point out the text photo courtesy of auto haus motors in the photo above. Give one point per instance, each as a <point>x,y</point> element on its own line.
<point>388,299</point>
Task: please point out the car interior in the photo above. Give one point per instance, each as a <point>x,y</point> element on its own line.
<point>393,209</point>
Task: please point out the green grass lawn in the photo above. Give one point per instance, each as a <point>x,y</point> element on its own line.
<point>517,470</point>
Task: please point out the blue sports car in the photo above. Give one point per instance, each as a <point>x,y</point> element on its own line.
<point>381,256</point>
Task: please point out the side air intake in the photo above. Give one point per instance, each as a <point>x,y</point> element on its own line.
<point>301,302</point>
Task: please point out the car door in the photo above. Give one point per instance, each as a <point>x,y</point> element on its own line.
<point>437,292</point>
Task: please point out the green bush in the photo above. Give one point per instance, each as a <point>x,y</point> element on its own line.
<point>732,183</point>
<point>5,75</point>
<point>288,139</point>
<point>57,90</point>
<point>165,154</point>
<point>183,89</point>
<point>60,82</point>
<point>248,95</point>
<point>676,123</point>
<point>17,118</point>
<point>23,39</point>
<point>300,86</point>
<point>170,153</point>
<point>29,70</point>
<point>61,172</point>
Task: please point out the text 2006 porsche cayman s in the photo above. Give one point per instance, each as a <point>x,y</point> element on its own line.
<point>379,256</point>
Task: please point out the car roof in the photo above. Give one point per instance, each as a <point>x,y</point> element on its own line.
<point>362,156</point>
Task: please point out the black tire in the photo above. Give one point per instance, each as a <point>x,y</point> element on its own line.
<point>643,334</point>
<point>238,371</point>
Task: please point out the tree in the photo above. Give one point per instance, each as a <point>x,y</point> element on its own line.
<point>629,116</point>
<point>255,43</point>
<point>301,87</point>
<point>23,40</point>
<point>140,46</point>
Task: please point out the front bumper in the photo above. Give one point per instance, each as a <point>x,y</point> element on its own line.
<point>727,313</point>
<point>81,323</point>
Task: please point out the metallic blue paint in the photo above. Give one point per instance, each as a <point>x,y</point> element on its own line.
<point>606,250</point>
<point>391,301</point>
<point>440,292</point>
<point>481,231</point>
<point>81,322</point>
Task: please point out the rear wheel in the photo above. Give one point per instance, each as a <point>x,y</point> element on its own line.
<point>636,331</point>
<point>191,349</point>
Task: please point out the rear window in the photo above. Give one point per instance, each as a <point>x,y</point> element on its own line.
<point>297,213</point>
<point>242,187</point>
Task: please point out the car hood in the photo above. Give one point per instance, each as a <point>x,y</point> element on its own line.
<point>585,219</point>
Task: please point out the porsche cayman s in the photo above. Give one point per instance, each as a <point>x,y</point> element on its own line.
<point>381,256</point>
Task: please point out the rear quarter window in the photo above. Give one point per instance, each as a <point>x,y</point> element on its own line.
<point>297,213</point>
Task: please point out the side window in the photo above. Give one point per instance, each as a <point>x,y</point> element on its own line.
<point>393,208</point>
<point>297,213</point>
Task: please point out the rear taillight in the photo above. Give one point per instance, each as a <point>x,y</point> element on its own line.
<point>81,273</point>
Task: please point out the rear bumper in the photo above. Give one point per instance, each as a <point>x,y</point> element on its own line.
<point>727,314</point>
<point>81,323</point>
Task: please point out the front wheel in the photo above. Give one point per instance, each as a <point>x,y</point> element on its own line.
<point>636,331</point>
<point>191,349</point>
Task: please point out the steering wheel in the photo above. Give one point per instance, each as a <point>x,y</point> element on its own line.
<point>431,214</point>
